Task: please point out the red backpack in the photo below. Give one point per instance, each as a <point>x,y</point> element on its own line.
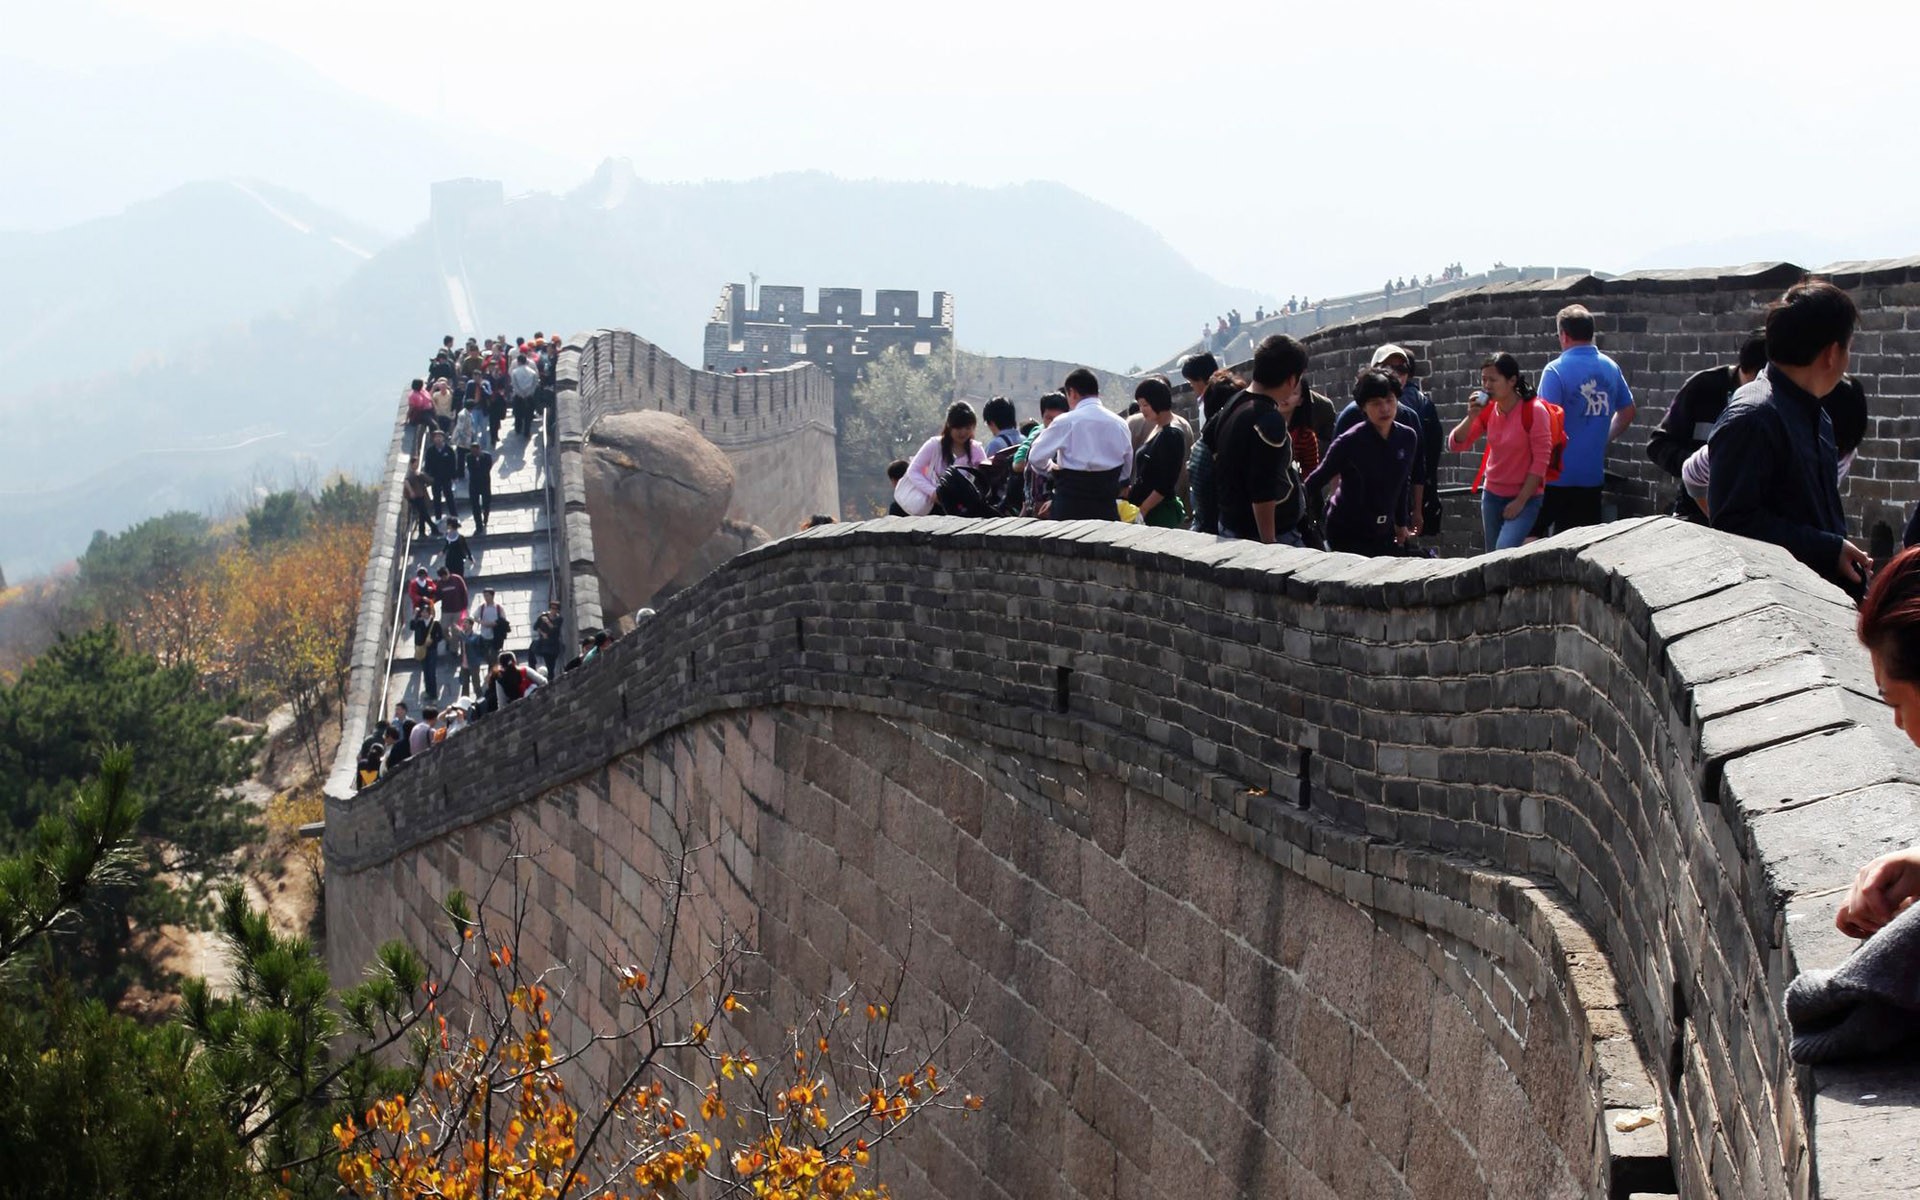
<point>1556,436</point>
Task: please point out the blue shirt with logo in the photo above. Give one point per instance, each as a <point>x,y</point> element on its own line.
<point>1588,387</point>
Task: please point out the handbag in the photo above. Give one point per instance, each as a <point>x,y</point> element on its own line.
<point>912,497</point>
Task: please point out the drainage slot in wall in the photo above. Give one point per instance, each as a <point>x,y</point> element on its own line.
<point>1306,777</point>
<point>1062,688</point>
<point>800,634</point>
<point>692,673</point>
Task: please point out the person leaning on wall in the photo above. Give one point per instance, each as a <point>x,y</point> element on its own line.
<point>1889,628</point>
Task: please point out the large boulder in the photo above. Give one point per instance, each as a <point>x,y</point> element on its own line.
<point>730,539</point>
<point>657,491</point>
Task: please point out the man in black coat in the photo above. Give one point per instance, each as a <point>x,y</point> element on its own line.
<point>442,467</point>
<point>480,485</point>
<point>1775,461</point>
<point>1691,416</point>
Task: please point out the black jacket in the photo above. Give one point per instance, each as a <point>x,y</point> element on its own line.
<point>1776,473</point>
<point>457,555</point>
<point>1689,420</point>
<point>441,464</point>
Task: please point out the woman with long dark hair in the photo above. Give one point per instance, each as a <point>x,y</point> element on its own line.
<point>1519,441</point>
<point>954,447</point>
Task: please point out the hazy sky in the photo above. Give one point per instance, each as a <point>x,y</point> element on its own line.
<point>1282,147</point>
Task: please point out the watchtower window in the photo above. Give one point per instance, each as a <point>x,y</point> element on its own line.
<point>765,346</point>
<point>839,309</point>
<point>896,312</point>
<point>923,348</point>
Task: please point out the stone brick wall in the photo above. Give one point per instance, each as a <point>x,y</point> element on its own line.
<point>980,378</point>
<point>1606,789</point>
<point>1662,326</point>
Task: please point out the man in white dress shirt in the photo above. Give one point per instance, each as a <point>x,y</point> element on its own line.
<point>1088,453</point>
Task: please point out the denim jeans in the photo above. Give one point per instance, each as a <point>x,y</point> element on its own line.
<point>1502,533</point>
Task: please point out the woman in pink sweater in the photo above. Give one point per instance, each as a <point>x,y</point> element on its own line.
<point>1519,440</point>
<point>954,447</point>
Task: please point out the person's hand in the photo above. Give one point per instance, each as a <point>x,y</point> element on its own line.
<point>1138,518</point>
<point>1413,528</point>
<point>1854,563</point>
<point>1402,534</point>
<point>1046,506</point>
<point>1513,509</point>
<point>1881,891</point>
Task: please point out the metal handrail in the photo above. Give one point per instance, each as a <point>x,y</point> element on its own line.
<point>554,517</point>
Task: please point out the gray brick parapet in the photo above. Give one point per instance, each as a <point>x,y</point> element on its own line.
<point>1594,799</point>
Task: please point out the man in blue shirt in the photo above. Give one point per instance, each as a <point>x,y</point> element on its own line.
<point>1588,387</point>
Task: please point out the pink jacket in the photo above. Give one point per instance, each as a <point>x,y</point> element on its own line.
<point>1516,446</point>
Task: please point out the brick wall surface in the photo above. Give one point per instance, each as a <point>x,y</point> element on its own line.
<point>1600,793</point>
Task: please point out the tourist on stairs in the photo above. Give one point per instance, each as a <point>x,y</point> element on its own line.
<point>480,486</point>
<point>442,467</point>
<point>427,636</point>
<point>455,549</point>
<point>526,386</point>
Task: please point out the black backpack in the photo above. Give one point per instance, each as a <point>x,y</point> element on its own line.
<point>959,494</point>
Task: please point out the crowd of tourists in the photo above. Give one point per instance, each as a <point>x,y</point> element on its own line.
<point>1758,447</point>
<point>457,625</point>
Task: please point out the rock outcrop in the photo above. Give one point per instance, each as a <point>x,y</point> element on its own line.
<point>659,492</point>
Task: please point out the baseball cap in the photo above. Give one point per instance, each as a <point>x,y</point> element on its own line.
<point>1386,352</point>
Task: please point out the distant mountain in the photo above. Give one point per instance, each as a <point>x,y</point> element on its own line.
<point>131,289</point>
<point>84,144</point>
<point>309,385</point>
